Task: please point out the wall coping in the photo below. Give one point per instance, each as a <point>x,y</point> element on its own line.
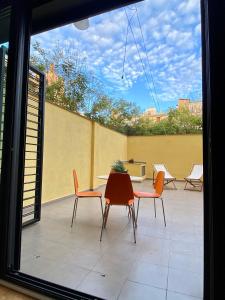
<point>128,136</point>
<point>84,117</point>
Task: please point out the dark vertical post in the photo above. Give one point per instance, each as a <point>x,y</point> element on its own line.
<point>2,72</point>
<point>2,102</point>
<point>213,52</point>
<point>11,191</point>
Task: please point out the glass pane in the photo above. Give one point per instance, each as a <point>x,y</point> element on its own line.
<point>123,95</point>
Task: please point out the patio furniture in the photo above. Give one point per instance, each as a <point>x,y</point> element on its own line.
<point>195,178</point>
<point>157,194</point>
<point>88,194</point>
<point>132,178</point>
<point>168,177</point>
<point>119,191</point>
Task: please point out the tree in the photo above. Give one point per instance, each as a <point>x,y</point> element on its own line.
<point>101,110</point>
<point>123,115</point>
<point>184,121</point>
<point>178,122</point>
<point>115,114</point>
<point>72,84</point>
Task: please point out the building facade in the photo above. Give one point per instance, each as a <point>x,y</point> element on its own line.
<point>195,108</point>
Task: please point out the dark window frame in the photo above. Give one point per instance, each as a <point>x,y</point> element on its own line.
<point>213,66</point>
<point>213,32</point>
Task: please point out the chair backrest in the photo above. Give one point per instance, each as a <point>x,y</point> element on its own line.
<point>159,182</point>
<point>197,172</point>
<point>161,167</point>
<point>119,189</point>
<point>75,181</point>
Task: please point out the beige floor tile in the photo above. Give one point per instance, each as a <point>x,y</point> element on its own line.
<point>136,291</point>
<point>153,275</point>
<point>101,285</point>
<point>184,262</point>
<point>177,296</point>
<point>51,249</point>
<point>185,282</point>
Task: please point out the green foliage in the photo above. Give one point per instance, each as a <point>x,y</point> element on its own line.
<point>71,89</point>
<point>184,122</point>
<point>118,166</point>
<point>55,92</point>
<point>101,110</point>
<point>178,122</point>
<point>115,114</point>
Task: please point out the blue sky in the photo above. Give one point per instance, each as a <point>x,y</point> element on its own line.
<point>165,67</point>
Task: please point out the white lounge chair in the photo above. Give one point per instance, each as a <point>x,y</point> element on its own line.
<point>168,177</point>
<point>195,178</point>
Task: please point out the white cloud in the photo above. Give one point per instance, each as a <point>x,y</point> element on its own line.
<point>189,6</point>
<point>198,29</point>
<point>172,37</point>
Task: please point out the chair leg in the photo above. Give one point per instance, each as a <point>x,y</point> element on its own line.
<point>174,185</point>
<point>129,215</point>
<point>107,214</point>
<point>185,185</point>
<point>74,210</point>
<point>103,221</point>
<point>101,206</point>
<point>155,207</point>
<point>163,212</point>
<point>137,211</point>
<point>133,221</point>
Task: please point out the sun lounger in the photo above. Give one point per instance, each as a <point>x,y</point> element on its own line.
<point>195,178</point>
<point>168,177</point>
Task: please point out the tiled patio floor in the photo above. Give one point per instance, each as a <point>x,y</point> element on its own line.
<point>166,263</point>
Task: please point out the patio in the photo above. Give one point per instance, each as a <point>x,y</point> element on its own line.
<point>166,263</point>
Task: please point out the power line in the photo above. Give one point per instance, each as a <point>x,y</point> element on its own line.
<point>142,63</point>
<point>125,52</point>
<point>145,48</point>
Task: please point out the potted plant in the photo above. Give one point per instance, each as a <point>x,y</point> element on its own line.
<point>118,166</point>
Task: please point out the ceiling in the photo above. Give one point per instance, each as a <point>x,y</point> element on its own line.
<point>49,14</point>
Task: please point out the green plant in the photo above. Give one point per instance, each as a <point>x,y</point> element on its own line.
<point>118,166</point>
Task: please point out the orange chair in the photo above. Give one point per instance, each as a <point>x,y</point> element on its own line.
<point>158,186</point>
<point>89,194</point>
<point>119,191</point>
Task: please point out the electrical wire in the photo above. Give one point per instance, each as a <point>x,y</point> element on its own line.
<point>156,101</point>
<point>146,53</point>
<point>125,47</point>
<point>125,52</point>
<point>142,63</point>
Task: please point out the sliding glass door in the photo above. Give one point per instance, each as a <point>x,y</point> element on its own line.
<point>14,51</point>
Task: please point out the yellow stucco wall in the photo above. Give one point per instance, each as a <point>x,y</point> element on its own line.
<point>72,141</point>
<point>67,145</point>
<point>177,152</point>
<point>109,146</point>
